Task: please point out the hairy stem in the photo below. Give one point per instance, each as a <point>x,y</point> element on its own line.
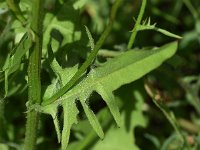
<point>91,57</point>
<point>34,85</point>
<point>139,19</point>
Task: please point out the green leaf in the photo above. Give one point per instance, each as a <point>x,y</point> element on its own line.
<point>64,28</point>
<point>92,119</point>
<point>19,51</point>
<point>14,61</point>
<point>64,75</point>
<point>99,8</point>
<point>109,98</point>
<point>131,103</point>
<point>90,38</point>
<point>4,147</point>
<point>70,113</point>
<point>132,116</point>
<point>118,71</point>
<point>80,4</point>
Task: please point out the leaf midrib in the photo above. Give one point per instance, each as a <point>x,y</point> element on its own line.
<point>89,85</point>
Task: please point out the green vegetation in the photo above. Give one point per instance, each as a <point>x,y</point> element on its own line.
<point>93,75</point>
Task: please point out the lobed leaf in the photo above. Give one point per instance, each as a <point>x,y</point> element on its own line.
<point>70,113</point>
<point>118,71</point>
<point>59,25</point>
<point>132,101</point>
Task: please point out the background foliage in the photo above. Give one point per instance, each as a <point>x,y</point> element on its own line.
<point>176,83</point>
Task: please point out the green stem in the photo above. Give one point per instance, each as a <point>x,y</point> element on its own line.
<point>34,85</point>
<point>139,19</point>
<point>191,9</point>
<point>90,58</point>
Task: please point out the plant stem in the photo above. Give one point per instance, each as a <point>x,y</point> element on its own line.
<point>34,83</point>
<point>191,9</point>
<point>90,58</point>
<point>139,19</point>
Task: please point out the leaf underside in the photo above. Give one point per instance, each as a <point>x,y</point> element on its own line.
<point>123,69</point>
